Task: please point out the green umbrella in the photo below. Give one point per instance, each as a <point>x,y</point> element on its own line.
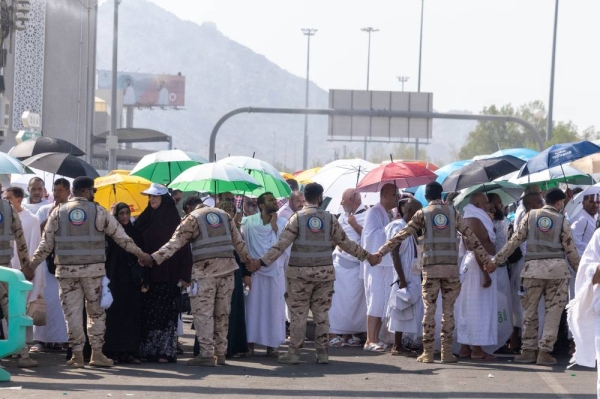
<point>508,192</point>
<point>215,178</point>
<point>550,178</point>
<point>164,166</point>
<point>266,175</point>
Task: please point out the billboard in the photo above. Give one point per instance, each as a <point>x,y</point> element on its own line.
<point>146,89</point>
<point>379,128</point>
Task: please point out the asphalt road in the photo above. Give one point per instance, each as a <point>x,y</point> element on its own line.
<point>351,373</point>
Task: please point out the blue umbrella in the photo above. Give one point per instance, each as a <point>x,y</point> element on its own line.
<point>442,173</point>
<point>558,154</point>
<point>522,153</point>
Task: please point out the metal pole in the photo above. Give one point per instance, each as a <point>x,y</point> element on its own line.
<point>369,30</point>
<point>308,32</point>
<point>551,100</point>
<point>420,45</point>
<point>112,153</point>
<point>402,80</point>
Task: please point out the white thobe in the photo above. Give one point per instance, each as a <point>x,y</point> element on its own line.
<point>33,208</point>
<point>348,306</point>
<point>583,312</point>
<point>285,212</point>
<point>505,298</point>
<point>377,278</point>
<point>583,225</point>
<point>477,307</point>
<point>33,237</point>
<point>410,319</point>
<point>55,329</point>
<point>265,303</point>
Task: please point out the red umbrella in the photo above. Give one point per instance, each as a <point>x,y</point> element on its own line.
<point>401,174</point>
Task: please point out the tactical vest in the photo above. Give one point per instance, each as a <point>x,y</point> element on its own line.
<point>215,239</point>
<point>312,246</point>
<point>440,242</point>
<point>543,237</point>
<point>6,233</point>
<point>78,241</point>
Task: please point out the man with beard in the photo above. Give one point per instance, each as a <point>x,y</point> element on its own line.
<point>584,222</point>
<point>76,231</point>
<point>265,303</point>
<point>36,195</point>
<point>293,205</point>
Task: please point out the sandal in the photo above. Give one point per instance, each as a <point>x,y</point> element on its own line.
<point>36,348</point>
<point>373,348</point>
<point>337,342</point>
<point>355,342</point>
<point>383,345</point>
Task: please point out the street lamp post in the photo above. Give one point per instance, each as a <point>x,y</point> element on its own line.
<point>403,79</point>
<point>551,100</point>
<point>308,32</point>
<point>419,78</point>
<point>111,140</point>
<point>369,30</point>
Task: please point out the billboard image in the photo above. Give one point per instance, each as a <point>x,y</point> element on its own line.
<point>146,89</point>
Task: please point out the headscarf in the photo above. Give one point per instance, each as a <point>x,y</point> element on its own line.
<point>163,219</point>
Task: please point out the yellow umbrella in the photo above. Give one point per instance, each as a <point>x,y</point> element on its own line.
<point>306,176</point>
<point>286,175</point>
<point>122,188</point>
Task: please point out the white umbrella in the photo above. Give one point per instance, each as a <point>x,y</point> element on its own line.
<point>337,176</point>
<point>574,206</point>
<point>215,178</point>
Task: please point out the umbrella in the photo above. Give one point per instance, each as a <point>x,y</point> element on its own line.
<point>441,173</point>
<point>286,175</point>
<point>10,165</point>
<point>508,192</point>
<point>481,171</point>
<point>40,145</point>
<point>557,155</point>
<point>215,178</point>
<point>267,176</point>
<point>521,153</point>
<point>61,164</point>
<point>342,174</point>
<point>589,164</point>
<point>164,166</point>
<point>306,176</point>
<point>400,174</point>
<point>117,187</point>
<point>574,206</point>
<point>551,177</point>
<point>424,164</point>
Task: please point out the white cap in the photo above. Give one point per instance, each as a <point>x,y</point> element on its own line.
<point>156,189</point>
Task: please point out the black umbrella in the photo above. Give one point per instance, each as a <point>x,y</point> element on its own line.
<point>481,171</point>
<point>61,164</point>
<point>40,145</point>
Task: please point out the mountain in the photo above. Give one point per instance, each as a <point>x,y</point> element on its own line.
<point>222,75</point>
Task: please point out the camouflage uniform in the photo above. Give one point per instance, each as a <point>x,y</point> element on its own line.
<point>547,276</point>
<point>83,280</point>
<point>438,277</point>
<point>212,304</point>
<point>309,282</point>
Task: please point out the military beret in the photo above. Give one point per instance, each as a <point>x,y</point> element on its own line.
<point>555,194</point>
<point>83,182</point>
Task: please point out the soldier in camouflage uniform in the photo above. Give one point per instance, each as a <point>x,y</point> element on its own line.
<point>437,225</point>
<point>10,229</point>
<point>214,237</point>
<point>76,230</point>
<point>312,232</point>
<point>549,241</point>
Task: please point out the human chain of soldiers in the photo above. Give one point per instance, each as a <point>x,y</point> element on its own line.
<point>76,232</point>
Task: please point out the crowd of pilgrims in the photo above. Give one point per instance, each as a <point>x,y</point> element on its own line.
<point>377,308</point>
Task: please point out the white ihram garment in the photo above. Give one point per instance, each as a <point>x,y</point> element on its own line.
<point>377,278</point>
<point>265,303</point>
<point>477,307</point>
<point>583,312</point>
<point>409,319</point>
<point>348,313</point>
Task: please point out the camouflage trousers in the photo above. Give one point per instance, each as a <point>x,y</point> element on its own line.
<point>73,292</point>
<point>300,296</point>
<point>431,287</point>
<point>211,308</point>
<point>556,294</point>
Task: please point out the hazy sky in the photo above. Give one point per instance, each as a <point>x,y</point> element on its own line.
<point>475,52</point>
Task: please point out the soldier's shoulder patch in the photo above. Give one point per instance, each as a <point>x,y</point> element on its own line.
<point>315,224</point>
<point>544,224</point>
<point>440,221</point>
<point>213,219</point>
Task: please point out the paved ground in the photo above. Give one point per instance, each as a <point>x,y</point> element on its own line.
<point>351,373</point>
